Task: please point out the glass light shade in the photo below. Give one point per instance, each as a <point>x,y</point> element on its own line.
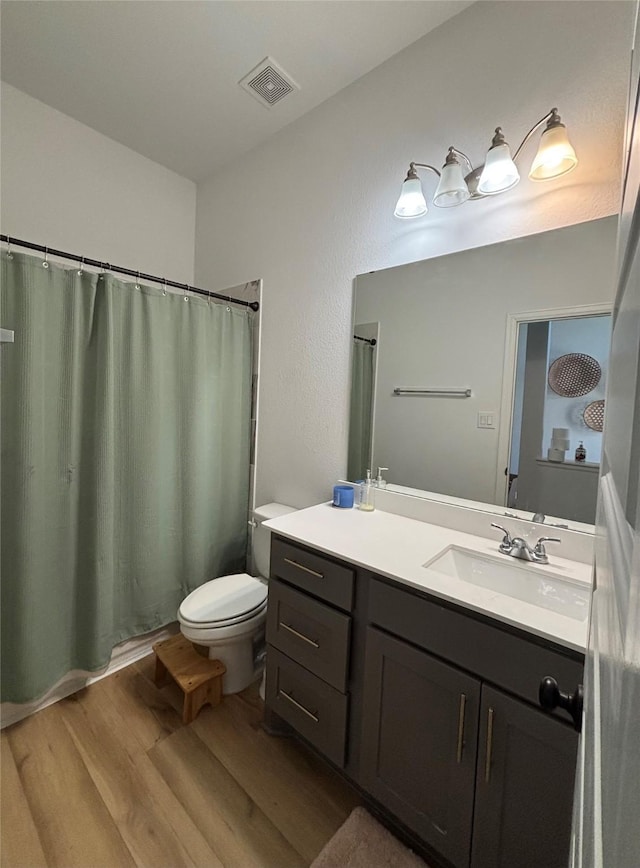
<point>555,155</point>
<point>452,189</point>
<point>500,172</point>
<point>411,202</point>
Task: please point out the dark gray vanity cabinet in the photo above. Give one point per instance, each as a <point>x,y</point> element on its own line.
<point>520,790</point>
<point>524,786</point>
<point>419,742</point>
<point>483,778</point>
<point>432,710</point>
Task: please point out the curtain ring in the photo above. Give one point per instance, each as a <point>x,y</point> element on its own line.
<point>9,253</point>
<point>45,263</point>
<point>164,288</point>
<point>137,280</point>
<point>81,269</point>
<point>186,298</point>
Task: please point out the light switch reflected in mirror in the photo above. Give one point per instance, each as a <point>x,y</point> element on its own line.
<point>452,322</point>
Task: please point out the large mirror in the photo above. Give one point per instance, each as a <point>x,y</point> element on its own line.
<point>477,375</point>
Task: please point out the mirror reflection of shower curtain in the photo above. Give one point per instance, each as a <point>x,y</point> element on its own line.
<point>360,426</point>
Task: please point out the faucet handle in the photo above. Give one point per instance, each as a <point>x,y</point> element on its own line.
<point>539,547</point>
<point>503,529</point>
<point>506,543</point>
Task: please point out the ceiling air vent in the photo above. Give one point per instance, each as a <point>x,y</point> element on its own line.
<point>268,82</point>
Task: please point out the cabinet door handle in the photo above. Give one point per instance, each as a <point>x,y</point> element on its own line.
<point>293,701</point>
<point>463,703</point>
<point>487,762</point>
<point>300,635</point>
<point>301,567</point>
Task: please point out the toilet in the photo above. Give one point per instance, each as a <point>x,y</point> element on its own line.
<point>228,614</point>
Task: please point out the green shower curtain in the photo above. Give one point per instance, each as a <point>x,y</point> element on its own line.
<point>125,424</point>
<point>360,421</point>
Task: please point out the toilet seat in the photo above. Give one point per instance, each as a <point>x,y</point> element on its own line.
<point>224,602</point>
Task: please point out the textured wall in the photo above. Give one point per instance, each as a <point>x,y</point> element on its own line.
<point>67,186</point>
<point>313,207</point>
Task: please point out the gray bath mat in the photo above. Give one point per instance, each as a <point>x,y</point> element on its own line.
<point>361,842</point>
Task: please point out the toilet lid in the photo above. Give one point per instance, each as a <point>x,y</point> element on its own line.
<point>229,598</point>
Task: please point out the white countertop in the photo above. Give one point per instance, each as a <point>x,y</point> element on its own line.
<point>398,547</point>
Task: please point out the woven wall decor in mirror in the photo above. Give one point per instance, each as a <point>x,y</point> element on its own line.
<point>594,415</point>
<point>574,374</point>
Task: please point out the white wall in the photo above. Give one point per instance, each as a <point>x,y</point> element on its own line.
<point>312,207</point>
<point>68,187</point>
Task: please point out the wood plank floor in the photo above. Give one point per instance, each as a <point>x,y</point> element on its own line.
<point>111,777</point>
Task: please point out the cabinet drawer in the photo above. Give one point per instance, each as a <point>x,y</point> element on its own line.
<point>312,572</point>
<point>316,710</point>
<point>504,659</point>
<point>310,632</point>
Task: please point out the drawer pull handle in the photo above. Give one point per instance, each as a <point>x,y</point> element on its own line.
<point>463,703</point>
<point>301,567</point>
<point>310,714</point>
<point>487,762</point>
<point>300,635</point>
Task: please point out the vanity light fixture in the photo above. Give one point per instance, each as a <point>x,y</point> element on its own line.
<point>412,202</point>
<point>555,157</point>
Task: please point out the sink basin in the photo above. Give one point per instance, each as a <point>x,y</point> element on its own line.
<point>516,579</point>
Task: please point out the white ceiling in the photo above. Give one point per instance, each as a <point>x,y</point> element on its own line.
<point>161,76</point>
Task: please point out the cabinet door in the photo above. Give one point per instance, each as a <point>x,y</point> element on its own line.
<point>524,786</point>
<point>420,742</point>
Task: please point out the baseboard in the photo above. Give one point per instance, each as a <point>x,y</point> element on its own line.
<point>123,654</point>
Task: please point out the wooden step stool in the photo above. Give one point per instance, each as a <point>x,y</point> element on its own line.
<point>199,678</point>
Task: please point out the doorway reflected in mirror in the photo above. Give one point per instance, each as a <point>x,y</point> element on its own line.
<point>550,418</point>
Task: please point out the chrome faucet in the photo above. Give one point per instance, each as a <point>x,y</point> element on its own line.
<point>539,518</point>
<point>517,547</point>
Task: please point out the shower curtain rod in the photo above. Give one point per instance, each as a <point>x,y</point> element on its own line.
<point>371,341</point>
<point>105,266</point>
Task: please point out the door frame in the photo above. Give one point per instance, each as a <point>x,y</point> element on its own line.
<point>509,376</point>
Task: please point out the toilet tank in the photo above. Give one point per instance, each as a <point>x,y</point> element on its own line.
<point>262,535</point>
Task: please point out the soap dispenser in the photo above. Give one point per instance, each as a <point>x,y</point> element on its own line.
<point>367,494</point>
<point>380,482</point>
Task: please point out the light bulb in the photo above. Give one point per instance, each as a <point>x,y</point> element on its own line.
<point>500,172</point>
<point>411,202</point>
<point>555,154</point>
<point>452,189</point>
